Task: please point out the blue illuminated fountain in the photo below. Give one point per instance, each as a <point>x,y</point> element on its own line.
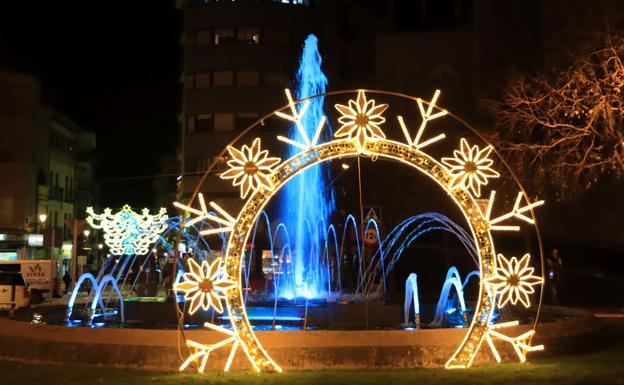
<point>305,248</point>
<point>307,200</point>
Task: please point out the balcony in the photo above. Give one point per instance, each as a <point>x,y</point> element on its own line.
<point>56,193</point>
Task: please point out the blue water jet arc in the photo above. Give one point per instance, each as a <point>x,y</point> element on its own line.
<point>307,200</point>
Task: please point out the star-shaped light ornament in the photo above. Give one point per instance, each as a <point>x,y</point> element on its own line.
<point>201,353</point>
<point>521,343</point>
<point>203,287</point>
<point>250,168</point>
<point>514,280</point>
<point>361,119</point>
<point>470,167</point>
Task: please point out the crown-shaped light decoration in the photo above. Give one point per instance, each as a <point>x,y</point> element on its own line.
<point>127,232</point>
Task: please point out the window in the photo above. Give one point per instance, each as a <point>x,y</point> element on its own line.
<point>203,164</point>
<point>245,119</point>
<point>275,36</point>
<point>247,78</point>
<point>188,82</point>
<point>190,165</point>
<point>223,79</point>
<point>248,36</point>
<point>190,124</point>
<point>223,121</point>
<point>221,163</point>
<point>189,39</point>
<point>203,37</point>
<point>204,123</point>
<point>275,79</point>
<point>202,80</point>
<point>224,36</point>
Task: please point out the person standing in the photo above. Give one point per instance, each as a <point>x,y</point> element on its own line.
<point>67,281</point>
<point>554,264</point>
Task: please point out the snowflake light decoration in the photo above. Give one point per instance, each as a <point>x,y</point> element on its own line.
<point>127,232</point>
<point>250,168</point>
<point>203,287</point>
<point>514,280</point>
<point>361,119</point>
<point>461,176</point>
<point>201,352</point>
<point>470,167</point>
<point>520,344</point>
<point>226,220</point>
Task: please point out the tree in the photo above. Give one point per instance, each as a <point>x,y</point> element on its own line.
<point>566,127</point>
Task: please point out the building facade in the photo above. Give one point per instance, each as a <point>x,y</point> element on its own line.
<point>238,58</point>
<point>46,174</point>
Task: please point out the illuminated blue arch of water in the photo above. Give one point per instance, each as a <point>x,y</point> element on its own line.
<point>329,260</point>
<point>307,200</point>
<point>116,271</point>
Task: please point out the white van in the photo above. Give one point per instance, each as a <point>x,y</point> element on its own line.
<point>40,275</point>
<point>14,291</point>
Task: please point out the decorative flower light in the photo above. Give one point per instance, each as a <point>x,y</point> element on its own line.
<point>202,286</point>
<point>515,280</point>
<point>361,119</point>
<point>470,167</point>
<point>250,168</point>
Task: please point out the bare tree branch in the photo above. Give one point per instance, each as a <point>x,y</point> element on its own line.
<point>566,128</point>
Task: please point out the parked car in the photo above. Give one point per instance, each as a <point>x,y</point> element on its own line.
<point>14,291</point>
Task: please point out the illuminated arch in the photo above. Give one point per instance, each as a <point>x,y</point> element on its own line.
<point>461,176</point>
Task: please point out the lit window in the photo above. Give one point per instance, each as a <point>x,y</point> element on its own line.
<point>275,36</point>
<point>247,78</point>
<point>203,37</point>
<point>223,78</point>
<point>223,121</point>
<point>275,79</point>
<point>248,35</point>
<point>224,36</point>
<point>202,80</point>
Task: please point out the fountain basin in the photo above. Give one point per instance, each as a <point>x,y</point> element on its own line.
<point>293,349</point>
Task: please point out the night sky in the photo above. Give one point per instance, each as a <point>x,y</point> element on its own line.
<point>113,67</point>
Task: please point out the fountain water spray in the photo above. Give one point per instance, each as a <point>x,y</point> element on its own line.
<point>307,201</point>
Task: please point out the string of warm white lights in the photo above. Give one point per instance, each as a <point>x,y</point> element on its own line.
<point>519,343</point>
<point>226,220</point>
<point>296,118</point>
<point>426,117</point>
<point>260,177</point>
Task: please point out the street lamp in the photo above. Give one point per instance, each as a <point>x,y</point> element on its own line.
<point>86,233</point>
<point>42,219</point>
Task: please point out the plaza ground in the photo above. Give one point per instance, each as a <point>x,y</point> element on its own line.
<point>602,363</point>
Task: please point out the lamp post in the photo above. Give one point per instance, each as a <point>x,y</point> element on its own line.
<point>42,220</point>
